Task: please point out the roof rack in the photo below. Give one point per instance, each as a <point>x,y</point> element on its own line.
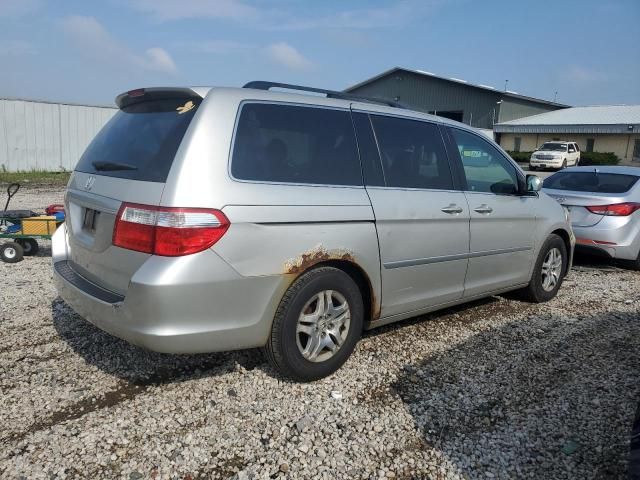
<point>264,85</point>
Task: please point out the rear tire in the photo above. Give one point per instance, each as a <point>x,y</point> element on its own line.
<point>548,272</point>
<point>11,252</point>
<point>308,338</point>
<point>29,245</point>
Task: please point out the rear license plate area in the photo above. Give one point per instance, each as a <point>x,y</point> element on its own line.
<point>89,219</point>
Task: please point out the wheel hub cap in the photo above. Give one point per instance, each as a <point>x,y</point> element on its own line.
<point>323,326</point>
<point>551,269</point>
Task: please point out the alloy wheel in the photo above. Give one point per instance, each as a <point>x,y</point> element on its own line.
<point>551,269</point>
<point>323,326</point>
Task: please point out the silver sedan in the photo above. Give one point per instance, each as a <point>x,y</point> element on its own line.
<point>604,206</point>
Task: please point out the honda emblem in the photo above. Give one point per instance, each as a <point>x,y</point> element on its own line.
<point>89,183</point>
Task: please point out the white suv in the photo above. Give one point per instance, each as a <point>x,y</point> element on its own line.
<point>555,155</point>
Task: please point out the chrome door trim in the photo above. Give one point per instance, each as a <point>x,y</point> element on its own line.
<point>449,258</point>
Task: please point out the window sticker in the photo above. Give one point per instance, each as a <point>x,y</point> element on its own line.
<point>186,107</point>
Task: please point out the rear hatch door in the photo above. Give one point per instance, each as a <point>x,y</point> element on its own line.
<point>128,161</point>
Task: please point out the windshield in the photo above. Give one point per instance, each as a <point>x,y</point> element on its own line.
<point>591,182</point>
<point>553,147</point>
<point>140,141</point>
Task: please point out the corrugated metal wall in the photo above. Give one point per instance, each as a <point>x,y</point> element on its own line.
<point>514,108</point>
<point>428,94</point>
<point>46,136</point>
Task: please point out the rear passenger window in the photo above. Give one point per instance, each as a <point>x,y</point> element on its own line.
<point>295,144</point>
<point>412,153</point>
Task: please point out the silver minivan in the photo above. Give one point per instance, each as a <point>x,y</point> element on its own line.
<point>208,219</point>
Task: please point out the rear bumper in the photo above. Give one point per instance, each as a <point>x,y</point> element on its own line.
<point>191,304</point>
<point>612,237</point>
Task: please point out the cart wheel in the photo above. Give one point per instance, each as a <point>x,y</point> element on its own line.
<point>11,252</point>
<point>29,245</point>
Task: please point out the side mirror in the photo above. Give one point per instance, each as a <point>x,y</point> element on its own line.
<point>534,183</point>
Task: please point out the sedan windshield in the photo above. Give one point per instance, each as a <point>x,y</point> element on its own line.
<point>553,147</point>
<point>591,182</point>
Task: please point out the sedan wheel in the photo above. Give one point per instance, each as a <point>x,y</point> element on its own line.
<point>551,269</point>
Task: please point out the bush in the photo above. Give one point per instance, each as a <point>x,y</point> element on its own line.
<point>520,157</point>
<point>586,158</point>
<point>598,158</point>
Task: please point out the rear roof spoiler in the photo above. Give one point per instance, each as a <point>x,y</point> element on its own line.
<point>155,93</point>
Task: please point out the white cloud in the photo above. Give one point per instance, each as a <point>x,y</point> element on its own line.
<point>160,59</point>
<point>94,40</point>
<point>18,8</point>
<point>396,14</point>
<point>286,15</point>
<point>578,74</point>
<point>217,47</point>
<point>16,48</point>
<point>165,10</point>
<point>287,56</point>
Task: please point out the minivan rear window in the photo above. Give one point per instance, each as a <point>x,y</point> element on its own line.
<point>591,182</point>
<point>140,141</point>
<point>295,144</point>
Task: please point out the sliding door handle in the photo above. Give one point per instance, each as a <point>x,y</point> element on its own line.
<point>484,208</point>
<point>452,209</point>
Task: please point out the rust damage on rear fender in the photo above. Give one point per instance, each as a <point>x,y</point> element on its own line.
<point>317,254</point>
<point>375,306</point>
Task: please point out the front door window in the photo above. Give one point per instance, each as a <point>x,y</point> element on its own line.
<point>486,169</point>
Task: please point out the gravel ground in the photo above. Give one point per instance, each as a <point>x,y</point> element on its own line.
<point>496,389</point>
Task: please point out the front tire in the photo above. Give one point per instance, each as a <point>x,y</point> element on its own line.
<point>11,252</point>
<point>564,164</point>
<point>548,272</point>
<point>317,325</point>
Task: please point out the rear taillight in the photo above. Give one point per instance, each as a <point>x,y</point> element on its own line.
<point>168,231</point>
<point>616,210</point>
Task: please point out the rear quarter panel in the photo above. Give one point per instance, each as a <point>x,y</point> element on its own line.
<point>276,229</point>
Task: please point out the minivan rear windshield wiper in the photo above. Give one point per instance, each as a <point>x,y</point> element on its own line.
<point>112,166</point>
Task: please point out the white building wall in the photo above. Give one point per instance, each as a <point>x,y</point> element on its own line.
<point>46,136</point>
